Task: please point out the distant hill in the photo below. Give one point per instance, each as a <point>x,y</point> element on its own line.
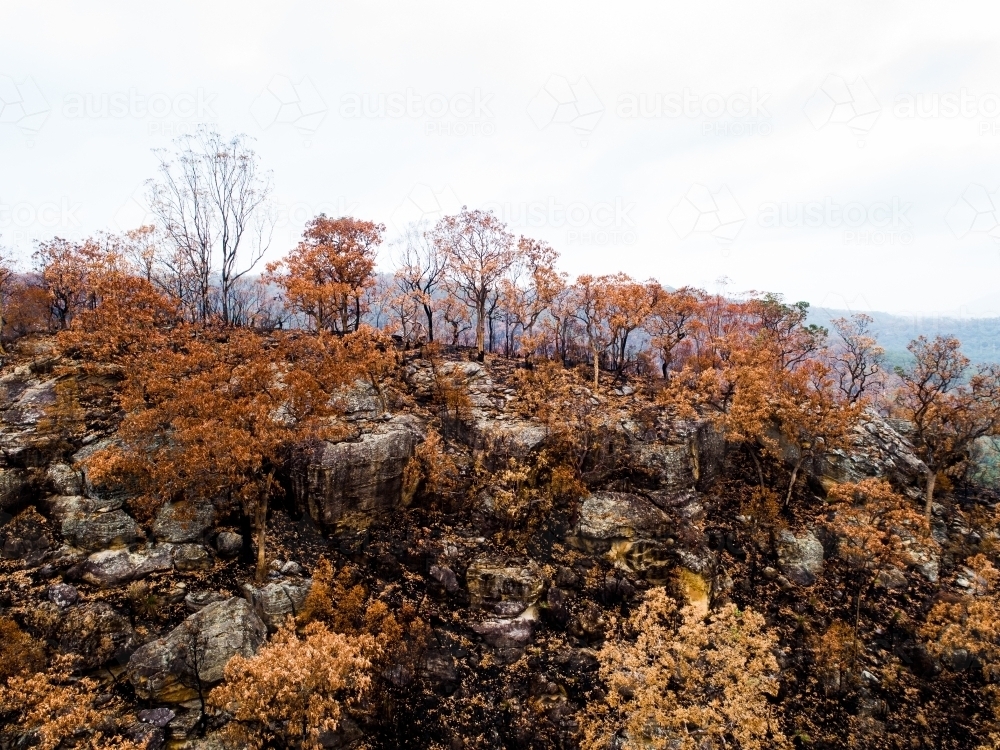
<point>980,337</point>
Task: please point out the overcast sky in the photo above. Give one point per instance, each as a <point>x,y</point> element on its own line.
<point>845,153</point>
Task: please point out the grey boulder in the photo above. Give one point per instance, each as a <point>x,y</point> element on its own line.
<point>277,600</point>
<point>170,669</point>
<point>800,556</point>
<point>362,475</point>
<point>114,567</point>
<point>183,522</point>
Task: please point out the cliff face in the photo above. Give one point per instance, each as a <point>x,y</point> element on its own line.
<point>516,614</point>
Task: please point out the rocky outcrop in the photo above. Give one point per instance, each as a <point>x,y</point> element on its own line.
<point>96,632</point>
<point>27,537</point>
<point>13,487</point>
<point>191,557</point>
<point>609,517</point>
<point>675,458</point>
<point>508,633</point>
<point>183,522</point>
<point>361,475</point>
<point>629,529</point>
<point>228,543</point>
<point>800,556</point>
<point>115,567</point>
<point>25,397</point>
<point>360,401</point>
<point>170,669</point>
<point>95,531</point>
<point>877,450</point>
<point>93,524</point>
<point>63,595</point>
<point>109,490</point>
<point>64,479</point>
<point>493,580</point>
<point>277,600</point>
<point>503,438</point>
<point>472,377</point>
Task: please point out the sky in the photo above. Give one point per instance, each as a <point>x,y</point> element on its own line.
<point>842,153</point>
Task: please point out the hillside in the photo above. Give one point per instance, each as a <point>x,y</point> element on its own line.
<point>979,336</point>
<point>510,597</point>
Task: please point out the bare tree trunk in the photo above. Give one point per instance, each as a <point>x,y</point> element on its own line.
<point>429,312</point>
<point>481,328</point>
<point>261,521</point>
<point>791,484</point>
<point>857,624</point>
<point>931,476</point>
<point>756,463</point>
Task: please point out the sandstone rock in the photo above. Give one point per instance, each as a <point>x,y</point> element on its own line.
<point>445,576</point>
<point>62,507</point>
<point>472,376</point>
<point>24,399</point>
<point>26,537</point>
<point>147,736</point>
<point>492,579</point>
<point>676,457</point>
<point>609,517</point>
<point>118,566</point>
<point>628,528</point>
<point>277,600</point>
<point>13,487</point>
<point>97,633</point>
<point>360,401</point>
<point>63,595</point>
<point>228,543</point>
<point>158,717</point>
<point>800,557</point>
<point>291,568</point>
<point>363,475</point>
<point>191,557</point>
<point>183,522</point>
<point>169,669</point>
<point>108,490</point>
<point>64,479</point>
<point>506,438</point>
<point>94,531</point>
<point>506,633</point>
<point>439,667</point>
<point>197,600</point>
<point>878,450</point>
<point>892,579</point>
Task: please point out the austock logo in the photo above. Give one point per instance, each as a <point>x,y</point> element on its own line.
<point>23,106</point>
<point>424,205</point>
<point>876,223</point>
<point>167,114</point>
<point>25,222</point>
<point>460,114</point>
<point>702,211</point>
<point>746,112</point>
<point>977,210</point>
<point>562,102</point>
<point>586,223</point>
<point>284,102</point>
<point>838,102</point>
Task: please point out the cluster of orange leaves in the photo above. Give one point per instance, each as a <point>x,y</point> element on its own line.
<point>687,679</point>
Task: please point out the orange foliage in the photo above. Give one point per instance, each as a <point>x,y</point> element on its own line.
<point>60,711</point>
<point>947,414</point>
<point>326,275</point>
<point>687,680</point>
<point>295,689</point>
